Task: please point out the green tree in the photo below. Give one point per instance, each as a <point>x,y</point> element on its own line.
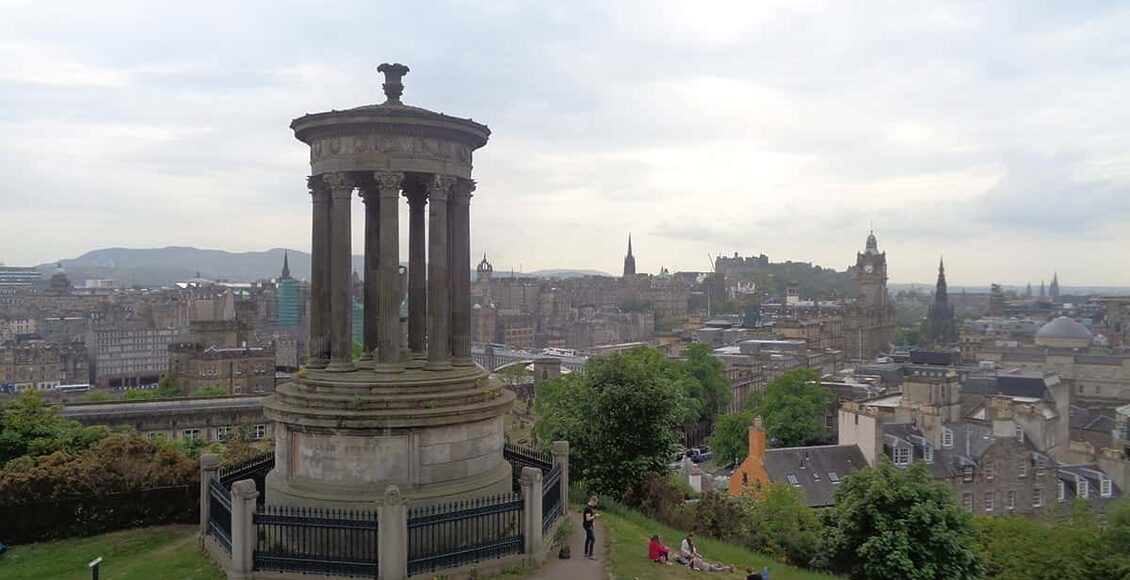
<point>139,395</point>
<point>1066,543</point>
<point>792,407</point>
<point>891,523</point>
<point>28,427</point>
<point>210,391</point>
<point>166,388</point>
<point>783,526</point>
<point>730,440</point>
<point>94,397</point>
<point>357,348</point>
<point>714,387</point>
<point>620,417</point>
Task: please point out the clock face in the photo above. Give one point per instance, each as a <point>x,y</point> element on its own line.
<point>869,268</point>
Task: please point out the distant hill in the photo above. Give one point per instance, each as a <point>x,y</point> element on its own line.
<point>163,266</point>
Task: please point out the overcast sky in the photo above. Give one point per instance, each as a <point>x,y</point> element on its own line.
<point>996,134</point>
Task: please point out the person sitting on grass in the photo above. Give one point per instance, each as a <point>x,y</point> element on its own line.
<point>657,552</point>
<point>695,561</point>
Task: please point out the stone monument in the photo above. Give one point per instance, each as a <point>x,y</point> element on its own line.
<point>419,415</point>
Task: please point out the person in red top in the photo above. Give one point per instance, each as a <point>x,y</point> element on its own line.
<point>657,552</point>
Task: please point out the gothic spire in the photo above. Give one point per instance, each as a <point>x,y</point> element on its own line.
<point>286,265</point>
<point>629,260</point>
<point>940,291</point>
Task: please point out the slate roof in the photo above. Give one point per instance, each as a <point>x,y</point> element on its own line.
<point>1023,384</point>
<point>934,357</point>
<point>1085,420</point>
<point>811,467</point>
<point>1094,475</point>
<point>944,464</point>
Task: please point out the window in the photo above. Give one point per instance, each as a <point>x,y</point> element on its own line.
<point>1011,499</point>
<point>224,432</point>
<point>260,431</point>
<point>153,436</point>
<point>990,499</point>
<point>191,433</point>
<point>1022,468</point>
<point>1081,487</point>
<point>1061,491</point>
<point>1041,468</point>
<point>990,470</point>
<point>967,501</point>
<point>928,453</point>
<point>792,480</point>
<point>967,473</point>
<point>833,477</point>
<point>947,438</point>
<point>1019,433</point>
<point>1037,497</point>
<point>828,421</point>
<point>816,476</point>
<point>902,456</point>
<point>1104,488</point>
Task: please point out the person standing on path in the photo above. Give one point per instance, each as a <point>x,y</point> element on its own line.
<point>588,522</point>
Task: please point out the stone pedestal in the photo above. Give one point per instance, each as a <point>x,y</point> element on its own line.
<point>341,440</point>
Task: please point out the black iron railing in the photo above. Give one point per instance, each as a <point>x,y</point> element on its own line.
<point>460,533</point>
<point>520,457</point>
<point>316,541</point>
<point>219,520</point>
<point>255,469</point>
<point>550,497</point>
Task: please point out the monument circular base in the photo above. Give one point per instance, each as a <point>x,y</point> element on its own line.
<point>342,439</point>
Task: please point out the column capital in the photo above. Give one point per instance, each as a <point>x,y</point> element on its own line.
<point>389,182</point>
<point>317,187</point>
<point>340,184</point>
<point>440,186</point>
<point>461,191</point>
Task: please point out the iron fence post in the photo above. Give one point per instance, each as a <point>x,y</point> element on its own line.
<point>530,482</point>
<point>561,457</point>
<point>243,538</point>
<point>209,463</point>
<point>392,536</point>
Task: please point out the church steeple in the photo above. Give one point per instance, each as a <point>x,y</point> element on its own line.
<point>1053,289</point>
<point>940,294</point>
<point>629,260</point>
<point>286,266</point>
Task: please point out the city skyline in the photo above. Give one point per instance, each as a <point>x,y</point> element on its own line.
<point>992,135</point>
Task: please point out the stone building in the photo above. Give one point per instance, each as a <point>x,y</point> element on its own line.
<point>869,321</point>
<point>30,365</point>
<point>130,357</point>
<point>221,349</point>
<point>939,328</point>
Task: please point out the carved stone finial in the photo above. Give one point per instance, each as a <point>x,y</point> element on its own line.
<point>392,86</point>
<point>392,496</point>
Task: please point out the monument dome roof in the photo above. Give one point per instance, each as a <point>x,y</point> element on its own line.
<point>1064,327</point>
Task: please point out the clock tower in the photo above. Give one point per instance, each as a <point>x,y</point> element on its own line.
<point>870,319</point>
<point>871,274</point>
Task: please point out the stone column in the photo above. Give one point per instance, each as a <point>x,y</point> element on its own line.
<point>459,212</point>
<point>319,275</point>
<point>417,274</point>
<point>370,195</point>
<point>243,538</point>
<point>209,464</point>
<point>388,273</point>
<point>341,270</point>
<point>560,451</point>
<point>439,285</point>
<point>392,536</point>
<point>530,482</point>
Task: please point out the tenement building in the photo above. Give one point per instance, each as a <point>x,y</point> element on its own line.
<point>869,321</point>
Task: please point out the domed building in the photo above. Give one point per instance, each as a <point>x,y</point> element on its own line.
<point>1064,332</point>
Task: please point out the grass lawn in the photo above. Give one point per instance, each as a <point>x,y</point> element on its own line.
<point>139,554</point>
<point>627,534</point>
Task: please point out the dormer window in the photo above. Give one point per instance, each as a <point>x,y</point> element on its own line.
<point>947,438</point>
<point>1061,491</point>
<point>792,480</point>
<point>928,453</point>
<point>902,456</point>
<point>1105,488</point>
<point>833,477</point>
<point>1081,486</point>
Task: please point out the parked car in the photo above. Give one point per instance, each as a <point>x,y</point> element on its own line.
<point>702,457</point>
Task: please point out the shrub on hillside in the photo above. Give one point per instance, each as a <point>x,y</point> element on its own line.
<point>116,464</point>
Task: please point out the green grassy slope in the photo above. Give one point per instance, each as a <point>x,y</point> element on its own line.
<point>138,554</point>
